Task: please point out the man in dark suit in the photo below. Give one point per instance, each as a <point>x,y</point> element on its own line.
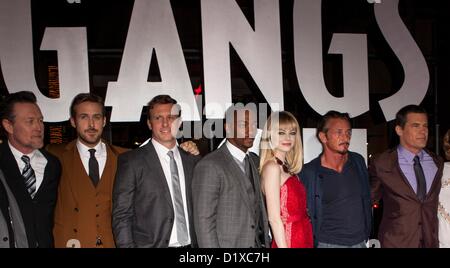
<point>12,229</point>
<point>408,180</point>
<point>229,210</point>
<point>152,191</point>
<point>32,173</point>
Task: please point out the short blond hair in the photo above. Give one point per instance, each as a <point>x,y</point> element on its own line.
<point>294,158</point>
<point>447,145</point>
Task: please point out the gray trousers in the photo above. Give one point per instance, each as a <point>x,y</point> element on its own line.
<point>326,245</point>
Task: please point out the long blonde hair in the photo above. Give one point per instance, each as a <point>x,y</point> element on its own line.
<point>294,157</point>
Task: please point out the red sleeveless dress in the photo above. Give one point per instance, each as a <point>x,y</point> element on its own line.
<point>297,225</point>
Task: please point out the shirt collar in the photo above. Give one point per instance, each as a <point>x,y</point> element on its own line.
<point>163,150</point>
<point>84,150</point>
<point>402,151</point>
<point>18,155</point>
<point>236,152</point>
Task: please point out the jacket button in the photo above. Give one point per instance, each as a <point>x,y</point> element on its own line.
<point>97,205</point>
<point>253,226</point>
<point>97,215</point>
<point>420,223</point>
<point>75,230</point>
<point>76,209</point>
<point>5,239</point>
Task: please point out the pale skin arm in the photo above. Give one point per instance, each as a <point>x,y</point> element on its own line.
<point>270,183</point>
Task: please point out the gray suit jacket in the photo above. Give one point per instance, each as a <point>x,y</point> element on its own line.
<point>18,226</point>
<point>142,213</point>
<point>225,203</point>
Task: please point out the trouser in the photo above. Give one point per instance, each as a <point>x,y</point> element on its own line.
<point>327,245</point>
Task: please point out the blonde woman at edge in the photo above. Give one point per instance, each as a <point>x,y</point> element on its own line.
<point>281,159</point>
<point>444,199</point>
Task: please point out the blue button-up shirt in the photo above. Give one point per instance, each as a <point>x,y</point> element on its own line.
<point>406,162</point>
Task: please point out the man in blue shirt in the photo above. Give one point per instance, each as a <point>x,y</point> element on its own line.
<point>337,186</point>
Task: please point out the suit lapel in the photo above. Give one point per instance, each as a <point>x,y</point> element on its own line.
<point>395,168</point>
<point>154,165</point>
<point>437,177</point>
<point>110,167</point>
<point>47,174</point>
<point>12,173</point>
<point>76,173</point>
<point>187,168</point>
<point>237,177</point>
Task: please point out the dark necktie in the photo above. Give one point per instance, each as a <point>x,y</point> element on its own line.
<point>29,176</point>
<point>420,177</point>
<point>93,168</point>
<point>248,170</point>
<point>180,218</point>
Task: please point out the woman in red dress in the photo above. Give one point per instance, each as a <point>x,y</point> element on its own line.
<point>281,159</point>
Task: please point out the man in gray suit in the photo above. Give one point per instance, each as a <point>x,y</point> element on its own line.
<point>152,190</point>
<point>12,228</point>
<point>229,211</point>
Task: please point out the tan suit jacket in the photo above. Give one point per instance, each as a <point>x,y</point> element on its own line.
<point>406,222</point>
<point>83,212</point>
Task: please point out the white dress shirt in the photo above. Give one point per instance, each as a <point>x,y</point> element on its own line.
<point>164,159</point>
<point>100,154</point>
<point>37,161</point>
<point>237,154</point>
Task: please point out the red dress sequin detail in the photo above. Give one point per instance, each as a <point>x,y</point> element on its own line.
<point>297,224</point>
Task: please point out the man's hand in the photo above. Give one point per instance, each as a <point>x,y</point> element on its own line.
<point>190,147</point>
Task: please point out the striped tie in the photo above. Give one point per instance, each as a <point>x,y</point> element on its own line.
<point>29,176</point>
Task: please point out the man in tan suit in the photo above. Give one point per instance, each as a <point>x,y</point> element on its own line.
<point>83,209</point>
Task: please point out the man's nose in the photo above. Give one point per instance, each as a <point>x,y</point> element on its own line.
<point>91,122</point>
<point>165,121</point>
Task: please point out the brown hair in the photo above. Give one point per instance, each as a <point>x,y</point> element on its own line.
<point>86,97</point>
<point>7,106</point>
<point>322,125</point>
<point>160,99</point>
<point>400,117</point>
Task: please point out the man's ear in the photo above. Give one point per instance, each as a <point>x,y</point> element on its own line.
<point>8,126</point>
<point>72,122</point>
<point>148,124</point>
<point>322,137</point>
<point>104,121</point>
<point>179,122</point>
<point>399,130</point>
<point>227,129</point>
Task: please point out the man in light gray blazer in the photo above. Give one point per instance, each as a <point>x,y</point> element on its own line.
<point>229,211</point>
<point>152,190</point>
<point>12,228</point>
